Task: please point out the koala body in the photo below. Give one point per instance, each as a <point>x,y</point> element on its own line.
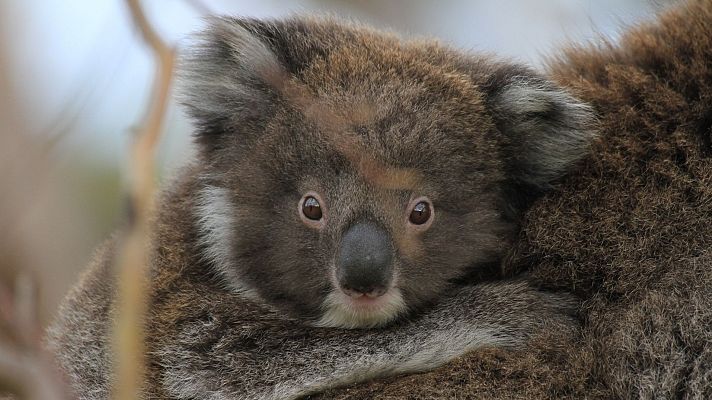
<point>346,178</point>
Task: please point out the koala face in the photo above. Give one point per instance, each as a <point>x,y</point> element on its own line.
<point>348,177</point>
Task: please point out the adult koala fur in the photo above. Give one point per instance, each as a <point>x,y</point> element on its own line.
<point>629,233</point>
<point>346,179</point>
<point>374,128</point>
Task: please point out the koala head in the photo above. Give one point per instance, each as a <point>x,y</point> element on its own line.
<point>349,177</point>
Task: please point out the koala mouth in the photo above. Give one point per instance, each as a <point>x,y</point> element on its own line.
<point>367,302</point>
<point>353,312</point>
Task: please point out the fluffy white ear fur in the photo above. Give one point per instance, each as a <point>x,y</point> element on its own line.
<point>226,73</point>
<point>549,129</point>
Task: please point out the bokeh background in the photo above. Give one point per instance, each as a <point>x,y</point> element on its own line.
<point>75,79</point>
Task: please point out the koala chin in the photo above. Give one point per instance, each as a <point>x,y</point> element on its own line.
<point>345,178</point>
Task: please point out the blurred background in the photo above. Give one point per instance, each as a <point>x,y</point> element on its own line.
<point>75,78</point>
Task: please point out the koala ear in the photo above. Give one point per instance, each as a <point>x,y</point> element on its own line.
<point>546,129</point>
<point>226,80</point>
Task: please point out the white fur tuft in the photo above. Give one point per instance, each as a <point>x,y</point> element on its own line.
<point>553,129</point>
<point>216,227</point>
<point>338,313</point>
<point>216,84</point>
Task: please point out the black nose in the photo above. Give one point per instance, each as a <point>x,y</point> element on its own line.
<point>364,263</point>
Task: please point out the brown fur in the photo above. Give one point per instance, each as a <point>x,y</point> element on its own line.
<point>631,233</point>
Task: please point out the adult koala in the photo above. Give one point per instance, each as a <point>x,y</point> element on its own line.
<point>630,233</point>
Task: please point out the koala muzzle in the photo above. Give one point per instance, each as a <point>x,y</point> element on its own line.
<point>365,260</point>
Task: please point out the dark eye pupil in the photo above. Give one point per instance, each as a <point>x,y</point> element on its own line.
<point>420,213</point>
<point>311,208</point>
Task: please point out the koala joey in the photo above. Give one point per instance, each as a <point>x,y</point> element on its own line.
<point>352,190</point>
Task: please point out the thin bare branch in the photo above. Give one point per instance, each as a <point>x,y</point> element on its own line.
<point>134,255</point>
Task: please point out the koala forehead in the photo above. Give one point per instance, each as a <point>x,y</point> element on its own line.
<point>397,101</point>
<point>385,104</point>
<point>378,157</point>
<point>393,76</point>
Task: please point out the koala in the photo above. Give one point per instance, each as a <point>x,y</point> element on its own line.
<point>353,196</point>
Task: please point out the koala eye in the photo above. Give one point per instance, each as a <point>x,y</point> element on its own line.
<point>311,208</point>
<point>421,212</point>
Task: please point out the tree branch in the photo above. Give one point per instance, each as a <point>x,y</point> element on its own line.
<point>134,253</point>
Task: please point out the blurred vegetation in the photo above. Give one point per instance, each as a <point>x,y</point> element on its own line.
<point>96,188</point>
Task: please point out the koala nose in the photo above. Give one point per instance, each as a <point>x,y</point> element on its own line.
<point>364,262</point>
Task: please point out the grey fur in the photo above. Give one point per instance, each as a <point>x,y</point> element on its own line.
<point>80,336</point>
<point>550,129</point>
<point>243,363</point>
<point>215,221</point>
<point>221,81</point>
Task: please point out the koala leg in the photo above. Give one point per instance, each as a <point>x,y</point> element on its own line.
<point>246,361</point>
